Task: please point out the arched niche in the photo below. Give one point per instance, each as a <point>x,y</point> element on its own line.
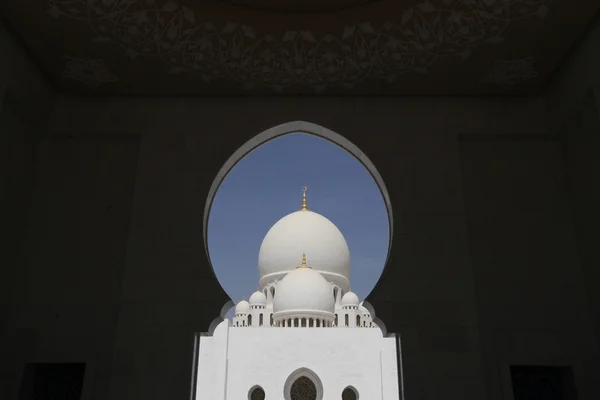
<point>302,373</point>
<point>350,393</point>
<point>286,129</point>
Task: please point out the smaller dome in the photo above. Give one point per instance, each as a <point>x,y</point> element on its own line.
<point>350,299</point>
<point>363,309</point>
<point>258,299</point>
<point>304,290</point>
<point>242,307</point>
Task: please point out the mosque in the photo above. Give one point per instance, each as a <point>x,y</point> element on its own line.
<point>303,335</point>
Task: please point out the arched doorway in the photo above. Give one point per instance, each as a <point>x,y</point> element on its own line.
<point>303,384</point>
<point>313,130</point>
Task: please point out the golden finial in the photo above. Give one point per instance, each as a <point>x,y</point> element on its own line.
<point>304,189</point>
<point>303,261</point>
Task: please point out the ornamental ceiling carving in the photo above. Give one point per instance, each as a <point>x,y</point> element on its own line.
<point>269,47</point>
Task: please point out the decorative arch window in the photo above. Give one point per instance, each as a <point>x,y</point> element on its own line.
<point>349,394</point>
<point>256,393</point>
<point>303,389</point>
<point>303,384</point>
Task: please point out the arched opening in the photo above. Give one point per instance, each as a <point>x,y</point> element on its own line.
<point>256,393</point>
<point>260,320</point>
<point>303,322</point>
<point>347,319</point>
<point>249,320</point>
<point>350,393</point>
<point>253,148</point>
<point>303,384</point>
<point>336,319</point>
<point>296,322</point>
<point>358,320</point>
<point>303,389</point>
<point>271,317</point>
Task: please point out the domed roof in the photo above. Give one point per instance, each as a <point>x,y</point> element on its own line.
<point>350,299</point>
<point>304,290</point>
<point>363,309</point>
<point>258,299</point>
<point>242,307</point>
<point>304,231</point>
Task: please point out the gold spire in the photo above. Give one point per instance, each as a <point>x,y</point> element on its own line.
<point>304,189</point>
<point>304,262</point>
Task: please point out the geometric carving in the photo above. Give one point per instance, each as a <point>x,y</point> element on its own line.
<point>303,389</point>
<point>507,73</point>
<point>91,72</point>
<point>409,42</point>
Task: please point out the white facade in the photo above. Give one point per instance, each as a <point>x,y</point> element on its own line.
<point>297,306</point>
<point>235,360</point>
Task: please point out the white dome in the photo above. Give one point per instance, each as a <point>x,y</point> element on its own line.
<point>258,299</point>
<point>242,307</point>
<point>363,309</point>
<point>304,290</point>
<point>309,232</point>
<point>350,299</point>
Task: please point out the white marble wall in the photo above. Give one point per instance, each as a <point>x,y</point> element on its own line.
<point>360,358</point>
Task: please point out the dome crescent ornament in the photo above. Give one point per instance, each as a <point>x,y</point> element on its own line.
<point>304,207</point>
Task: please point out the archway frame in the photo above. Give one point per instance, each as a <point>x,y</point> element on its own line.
<point>350,387</point>
<point>299,373</point>
<point>287,129</point>
<point>253,388</point>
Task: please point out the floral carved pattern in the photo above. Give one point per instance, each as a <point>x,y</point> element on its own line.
<point>508,73</point>
<point>303,389</point>
<point>408,43</point>
<point>91,72</point>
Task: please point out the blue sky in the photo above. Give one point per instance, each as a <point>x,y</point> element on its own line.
<point>266,186</point>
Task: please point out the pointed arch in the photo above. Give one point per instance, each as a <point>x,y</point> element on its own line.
<point>285,129</point>
<point>350,393</point>
<point>301,374</point>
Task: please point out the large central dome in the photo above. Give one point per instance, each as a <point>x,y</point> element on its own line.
<point>307,232</point>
